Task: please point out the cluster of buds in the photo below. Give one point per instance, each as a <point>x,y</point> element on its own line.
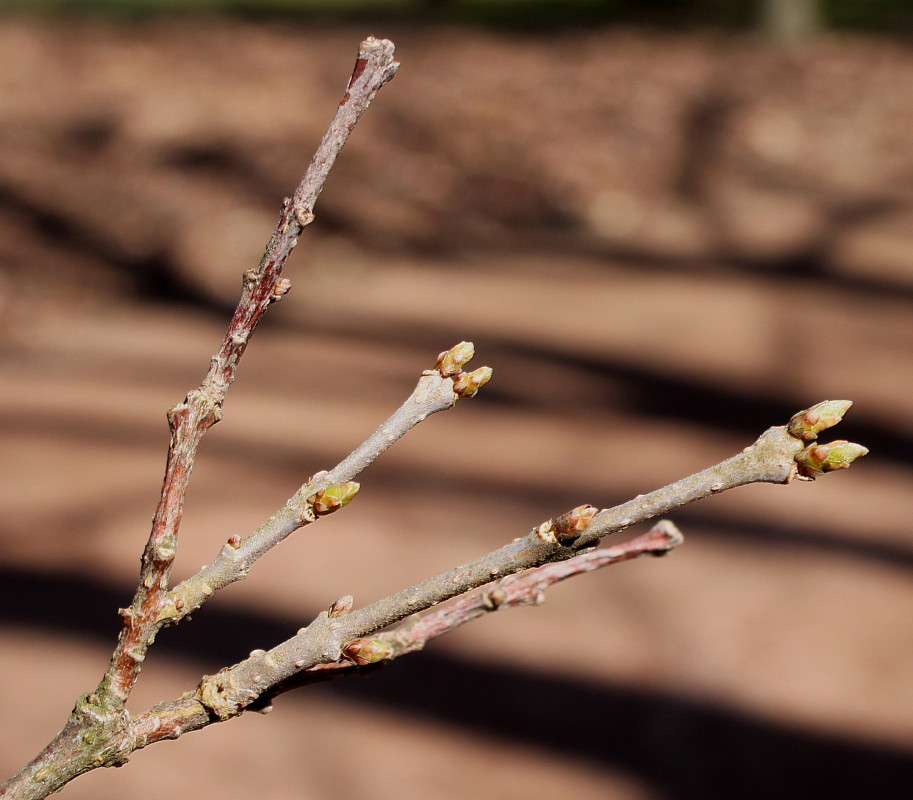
<point>450,364</point>
<point>568,526</point>
<point>816,459</point>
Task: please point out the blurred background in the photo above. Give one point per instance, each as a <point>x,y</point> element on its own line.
<point>665,225</point>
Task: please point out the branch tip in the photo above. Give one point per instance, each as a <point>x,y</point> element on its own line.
<point>664,537</point>
<point>450,364</point>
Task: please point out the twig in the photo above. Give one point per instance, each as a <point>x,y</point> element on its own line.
<point>526,588</point>
<point>73,751</point>
<point>100,732</point>
<point>202,408</point>
<point>778,456</point>
<point>437,390</point>
<point>171,719</point>
<point>772,458</point>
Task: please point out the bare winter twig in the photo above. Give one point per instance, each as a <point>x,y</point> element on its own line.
<point>771,459</point>
<point>437,390</point>
<point>526,588</point>
<point>68,755</point>
<point>337,638</point>
<point>202,408</point>
<point>341,640</point>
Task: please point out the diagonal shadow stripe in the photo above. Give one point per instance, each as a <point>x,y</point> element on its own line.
<point>685,748</point>
<point>153,277</point>
<point>647,392</point>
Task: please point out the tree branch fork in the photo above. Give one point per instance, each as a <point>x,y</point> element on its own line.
<point>344,640</point>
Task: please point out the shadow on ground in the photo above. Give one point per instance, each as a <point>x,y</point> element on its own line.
<point>683,748</point>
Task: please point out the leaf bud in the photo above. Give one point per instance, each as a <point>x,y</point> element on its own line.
<point>815,460</point>
<point>367,651</point>
<point>341,607</point>
<point>574,522</point>
<point>806,425</point>
<point>451,362</point>
<point>469,383</point>
<point>331,499</point>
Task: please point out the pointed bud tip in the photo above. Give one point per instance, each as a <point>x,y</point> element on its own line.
<point>815,460</point>
<point>341,607</point>
<point>451,362</point>
<point>469,383</point>
<point>807,424</point>
<point>333,497</point>
<point>368,651</point>
<point>463,351</point>
<point>842,453</point>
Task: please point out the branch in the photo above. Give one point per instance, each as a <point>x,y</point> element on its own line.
<point>780,455</point>
<point>169,720</point>
<point>100,731</point>
<point>73,751</point>
<point>202,408</point>
<point>325,492</point>
<point>527,588</point>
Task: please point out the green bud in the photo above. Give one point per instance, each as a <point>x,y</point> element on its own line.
<point>469,383</point>
<point>368,651</point>
<point>451,362</point>
<point>817,459</point>
<point>333,497</point>
<point>842,454</point>
<point>806,425</point>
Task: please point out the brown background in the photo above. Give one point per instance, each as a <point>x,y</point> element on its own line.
<point>662,243</point>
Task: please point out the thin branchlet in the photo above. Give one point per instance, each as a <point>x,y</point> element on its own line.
<point>69,754</point>
<point>770,459</point>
